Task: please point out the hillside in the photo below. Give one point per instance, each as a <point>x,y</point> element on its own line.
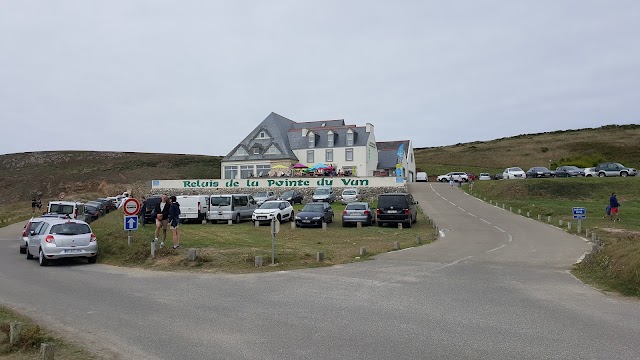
<point>584,148</point>
<point>87,172</point>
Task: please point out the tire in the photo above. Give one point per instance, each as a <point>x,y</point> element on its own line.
<point>291,217</point>
<point>380,224</point>
<point>624,174</point>
<point>29,256</point>
<point>344,224</point>
<point>92,260</point>
<point>23,250</point>
<point>415,220</point>
<point>601,174</point>
<point>408,224</point>
<point>237,219</point>
<point>41,259</point>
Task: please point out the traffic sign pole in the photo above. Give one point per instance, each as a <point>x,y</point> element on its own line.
<point>273,242</point>
<point>129,237</point>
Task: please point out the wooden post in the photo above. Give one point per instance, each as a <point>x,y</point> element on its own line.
<point>539,217</point>
<point>569,225</point>
<point>47,351</point>
<point>319,256</point>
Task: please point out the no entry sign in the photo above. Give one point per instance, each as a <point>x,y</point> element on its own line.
<point>131,206</point>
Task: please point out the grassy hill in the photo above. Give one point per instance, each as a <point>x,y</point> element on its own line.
<point>583,148</point>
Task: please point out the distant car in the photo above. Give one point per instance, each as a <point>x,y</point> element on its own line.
<point>396,208</point>
<point>513,173</point>
<point>569,171</point>
<point>324,194</point>
<point>484,176</point>
<point>422,176</point>
<point>263,196</point>
<point>98,205</point>
<point>292,196</point>
<point>109,205</point>
<point>62,238</point>
<point>499,176</point>
<point>457,176</point>
<point>91,213</point>
<point>349,195</point>
<point>614,169</point>
<point>590,172</point>
<point>314,214</point>
<point>358,212</point>
<point>274,209</point>
<point>539,172</point>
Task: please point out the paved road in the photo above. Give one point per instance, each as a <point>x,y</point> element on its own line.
<point>496,286</point>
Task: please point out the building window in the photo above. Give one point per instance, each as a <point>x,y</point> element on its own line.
<point>263,170</point>
<point>241,151</point>
<point>310,156</point>
<point>246,171</point>
<point>312,140</point>
<point>349,138</point>
<point>262,135</point>
<point>330,139</point>
<point>273,150</point>
<point>230,172</point>
<point>256,151</point>
<point>328,155</point>
<point>348,154</point>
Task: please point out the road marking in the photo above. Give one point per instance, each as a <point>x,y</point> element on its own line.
<point>498,228</point>
<point>510,238</point>
<point>461,209</point>
<point>494,249</point>
<point>445,199</point>
<point>452,203</point>
<point>474,215</point>
<point>441,233</point>
<point>486,221</point>
<point>451,263</point>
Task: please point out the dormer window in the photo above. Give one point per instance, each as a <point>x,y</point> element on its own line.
<point>241,151</point>
<point>312,140</point>
<point>273,150</point>
<point>256,151</point>
<point>350,137</point>
<point>330,138</point>
<point>262,135</point>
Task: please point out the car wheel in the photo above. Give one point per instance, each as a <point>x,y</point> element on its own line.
<point>601,174</point>
<point>237,218</point>
<point>344,224</point>
<point>93,259</point>
<point>29,256</point>
<point>42,260</point>
<point>23,250</point>
<point>624,174</point>
<point>291,216</point>
<point>408,224</point>
<point>380,224</point>
<point>279,218</point>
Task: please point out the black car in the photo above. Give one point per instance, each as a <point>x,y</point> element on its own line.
<point>148,208</point>
<point>100,206</point>
<point>91,212</point>
<point>397,208</point>
<point>540,172</point>
<point>109,205</point>
<point>292,196</point>
<point>314,214</point>
<point>569,171</point>
<point>499,176</point>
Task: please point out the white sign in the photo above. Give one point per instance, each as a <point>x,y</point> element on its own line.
<point>284,182</point>
<point>131,206</point>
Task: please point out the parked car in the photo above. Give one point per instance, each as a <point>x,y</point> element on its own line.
<point>396,208</point>
<point>324,194</point>
<point>499,176</point>
<point>74,210</point>
<point>193,207</point>
<point>109,205</point>
<point>262,196</point>
<point>590,172</point>
<point>236,207</point>
<point>513,173</point>
<point>484,176</point>
<point>456,175</point>
<point>62,238</point>
<point>275,209</point>
<point>91,213</point>
<point>292,196</point>
<point>32,224</point>
<point>569,171</point>
<point>422,177</point>
<point>358,212</point>
<point>614,169</point>
<point>148,208</point>
<point>314,214</point>
<point>539,172</point>
<point>349,195</point>
<point>99,205</point>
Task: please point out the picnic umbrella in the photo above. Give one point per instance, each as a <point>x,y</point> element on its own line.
<point>319,166</point>
<point>299,166</point>
<point>279,167</point>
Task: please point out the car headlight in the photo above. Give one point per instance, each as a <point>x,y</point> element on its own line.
<point>316,218</point>
<point>297,217</point>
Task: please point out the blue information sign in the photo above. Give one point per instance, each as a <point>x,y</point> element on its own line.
<point>579,213</point>
<point>131,222</point>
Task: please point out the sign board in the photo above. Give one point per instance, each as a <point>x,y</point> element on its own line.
<point>131,206</point>
<point>579,213</point>
<point>131,222</point>
<point>278,183</point>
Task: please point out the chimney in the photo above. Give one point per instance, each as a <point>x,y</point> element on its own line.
<point>369,127</point>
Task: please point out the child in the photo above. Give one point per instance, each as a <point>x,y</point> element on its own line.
<point>607,211</point>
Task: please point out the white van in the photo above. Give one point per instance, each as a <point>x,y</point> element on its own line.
<point>74,210</point>
<point>193,207</point>
<point>236,207</point>
<point>422,176</point>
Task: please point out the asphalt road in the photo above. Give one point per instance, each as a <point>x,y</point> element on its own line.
<point>496,286</point>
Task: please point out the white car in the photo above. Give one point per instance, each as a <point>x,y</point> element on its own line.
<point>456,175</point>
<point>276,209</point>
<point>513,173</point>
<point>263,196</point>
<point>62,238</point>
<point>484,176</point>
<point>590,172</point>
<point>349,195</point>
<point>32,225</point>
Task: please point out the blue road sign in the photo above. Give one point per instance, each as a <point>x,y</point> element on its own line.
<point>579,213</point>
<point>131,222</point>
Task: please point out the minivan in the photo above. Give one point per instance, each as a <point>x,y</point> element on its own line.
<point>74,210</point>
<point>397,208</point>
<point>193,207</point>
<point>236,207</point>
<point>324,194</point>
<point>422,176</point>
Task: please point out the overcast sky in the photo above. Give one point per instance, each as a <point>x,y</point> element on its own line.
<point>197,76</point>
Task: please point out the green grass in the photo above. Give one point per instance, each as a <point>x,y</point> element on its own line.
<point>232,249</point>
<point>32,336</point>
<point>12,213</point>
<point>616,267</point>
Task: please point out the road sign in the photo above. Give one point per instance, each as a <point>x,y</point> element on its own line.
<point>131,222</point>
<point>131,206</point>
<point>579,213</point>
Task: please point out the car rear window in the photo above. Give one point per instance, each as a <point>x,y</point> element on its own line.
<point>61,209</point>
<point>70,229</point>
<point>356,207</point>
<point>321,191</point>
<point>220,200</point>
<point>32,225</point>
<point>385,201</point>
<point>349,192</point>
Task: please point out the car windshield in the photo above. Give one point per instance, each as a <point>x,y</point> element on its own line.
<point>313,208</point>
<point>349,192</point>
<point>90,208</point>
<point>260,194</point>
<point>571,168</point>
<point>220,200</point>
<point>61,209</point>
<point>70,229</point>
<point>270,205</point>
<point>322,192</point>
<point>356,207</point>
<point>392,200</point>
<point>514,169</point>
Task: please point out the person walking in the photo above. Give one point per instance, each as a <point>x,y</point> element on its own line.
<point>161,213</point>
<point>174,221</point>
<point>613,202</point>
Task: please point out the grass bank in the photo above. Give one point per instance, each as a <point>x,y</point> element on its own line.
<point>232,248</point>
<point>32,335</point>
<point>616,267</point>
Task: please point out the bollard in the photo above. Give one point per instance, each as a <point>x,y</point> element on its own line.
<point>418,240</point>
<point>363,251</point>
<point>324,226</point>
<point>192,254</point>
<point>319,256</point>
<point>396,245</point>
<point>502,206</point>
<point>490,201</point>
<point>399,225</point>
<point>229,222</point>
<point>586,233</point>
<point>153,249</point>
<point>510,209</point>
<point>569,225</point>
<point>528,214</point>
<point>258,261</point>
<point>594,248</point>
<point>15,328</point>
<point>293,225</point>
<point>539,217</point>
<point>579,230</point>
<point>549,219</point>
<point>47,351</point>
<point>559,222</point>
<point>359,224</point>
<point>519,212</point>
<point>593,237</point>
<point>256,223</point>
<point>204,221</point>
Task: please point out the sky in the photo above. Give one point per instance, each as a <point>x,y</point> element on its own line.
<point>196,77</point>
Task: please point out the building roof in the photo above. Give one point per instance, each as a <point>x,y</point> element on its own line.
<point>392,145</point>
<point>314,124</point>
<point>360,137</point>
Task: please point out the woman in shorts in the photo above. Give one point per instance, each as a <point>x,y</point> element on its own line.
<point>174,221</point>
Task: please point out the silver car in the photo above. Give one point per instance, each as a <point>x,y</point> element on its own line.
<point>358,212</point>
<point>349,195</point>
<point>32,225</point>
<point>264,196</point>
<point>59,238</point>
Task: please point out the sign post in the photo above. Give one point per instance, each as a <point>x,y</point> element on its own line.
<point>275,228</point>
<point>579,213</point>
<point>131,207</point>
